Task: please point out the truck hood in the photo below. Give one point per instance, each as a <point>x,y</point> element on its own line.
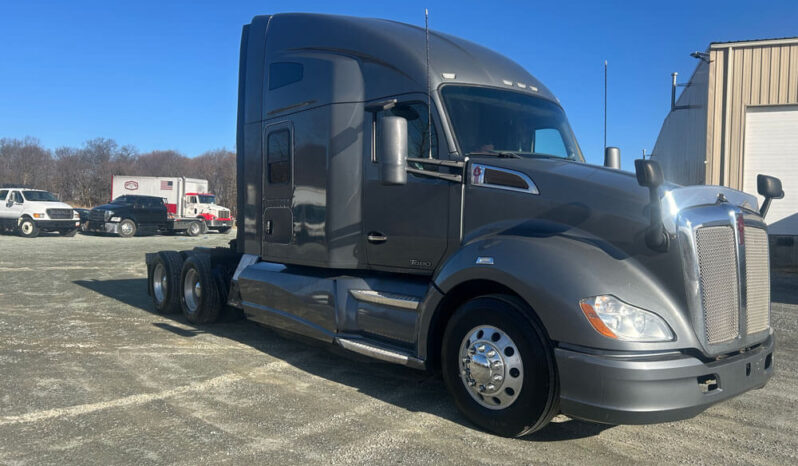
<point>43,206</point>
<point>109,207</point>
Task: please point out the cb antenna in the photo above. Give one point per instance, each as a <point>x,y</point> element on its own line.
<point>429,91</point>
<point>605,104</point>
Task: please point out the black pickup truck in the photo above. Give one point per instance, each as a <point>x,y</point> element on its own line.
<point>130,215</point>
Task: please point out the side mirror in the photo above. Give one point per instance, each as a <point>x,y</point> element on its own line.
<point>649,175</point>
<point>392,154</point>
<point>612,158</point>
<point>9,202</point>
<point>770,188</point>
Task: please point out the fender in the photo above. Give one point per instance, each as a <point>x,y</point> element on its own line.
<point>552,272</point>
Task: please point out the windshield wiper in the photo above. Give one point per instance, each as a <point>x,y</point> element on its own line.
<point>493,153</point>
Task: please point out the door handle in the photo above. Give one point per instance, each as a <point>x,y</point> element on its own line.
<point>376,237</point>
<point>268,228</point>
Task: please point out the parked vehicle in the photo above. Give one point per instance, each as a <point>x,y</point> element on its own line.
<point>29,212</point>
<point>128,216</point>
<point>479,243</point>
<point>185,198</point>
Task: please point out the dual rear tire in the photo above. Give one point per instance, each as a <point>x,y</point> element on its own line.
<point>189,285</point>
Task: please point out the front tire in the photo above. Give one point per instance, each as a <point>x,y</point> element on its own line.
<point>28,228</point>
<point>165,282</point>
<point>200,296</point>
<point>498,364</point>
<point>127,228</point>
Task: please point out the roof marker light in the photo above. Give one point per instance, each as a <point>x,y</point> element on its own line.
<point>521,85</point>
<point>534,89</point>
<point>448,75</point>
<point>507,82</point>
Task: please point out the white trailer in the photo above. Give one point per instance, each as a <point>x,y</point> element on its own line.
<point>185,199</point>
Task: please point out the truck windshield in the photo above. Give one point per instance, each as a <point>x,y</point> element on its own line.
<point>41,196</point>
<point>207,199</point>
<point>494,121</point>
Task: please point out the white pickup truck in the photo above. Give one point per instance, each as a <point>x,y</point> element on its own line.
<point>31,211</point>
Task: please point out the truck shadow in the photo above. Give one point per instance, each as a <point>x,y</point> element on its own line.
<point>409,389</point>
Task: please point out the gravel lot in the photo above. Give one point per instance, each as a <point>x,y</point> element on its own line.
<point>90,375</point>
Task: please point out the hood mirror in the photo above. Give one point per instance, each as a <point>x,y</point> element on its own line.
<point>649,175</point>
<point>770,188</point>
<point>392,150</point>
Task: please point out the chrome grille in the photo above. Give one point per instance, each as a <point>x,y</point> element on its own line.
<point>717,260</point>
<point>60,214</point>
<point>757,279</point>
<point>224,214</point>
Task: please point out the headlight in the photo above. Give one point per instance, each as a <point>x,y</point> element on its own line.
<point>614,318</point>
<point>75,215</point>
<point>116,219</point>
<point>38,215</point>
<point>108,214</point>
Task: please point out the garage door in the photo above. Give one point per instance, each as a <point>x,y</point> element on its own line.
<point>771,148</point>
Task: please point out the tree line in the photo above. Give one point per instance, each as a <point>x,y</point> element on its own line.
<point>82,175</point>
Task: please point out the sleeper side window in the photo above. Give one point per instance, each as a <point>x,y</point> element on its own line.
<point>284,73</point>
<point>278,157</point>
<point>418,134</point>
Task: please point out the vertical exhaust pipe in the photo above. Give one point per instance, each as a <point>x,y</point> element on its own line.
<point>673,90</point>
<point>612,158</point>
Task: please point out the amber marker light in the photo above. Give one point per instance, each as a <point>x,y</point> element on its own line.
<point>595,321</point>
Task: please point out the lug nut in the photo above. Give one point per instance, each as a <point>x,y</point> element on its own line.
<point>491,353</point>
<point>497,378</point>
<point>482,388</point>
<point>481,348</point>
<point>491,387</point>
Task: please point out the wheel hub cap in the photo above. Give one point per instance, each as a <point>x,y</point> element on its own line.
<point>491,368</point>
<point>159,283</point>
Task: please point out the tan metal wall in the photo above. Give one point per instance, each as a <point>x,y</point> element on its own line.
<point>742,74</point>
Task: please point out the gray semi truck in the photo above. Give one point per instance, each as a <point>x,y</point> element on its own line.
<point>422,200</point>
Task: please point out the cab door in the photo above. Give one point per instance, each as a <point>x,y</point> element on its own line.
<point>406,226</point>
<point>12,206</point>
<point>278,179</point>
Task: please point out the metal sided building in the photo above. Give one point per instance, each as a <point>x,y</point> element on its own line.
<point>738,117</point>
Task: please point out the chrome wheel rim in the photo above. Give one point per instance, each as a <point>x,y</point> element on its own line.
<point>27,228</point>
<point>126,227</point>
<point>195,228</point>
<point>192,290</point>
<point>491,367</point>
<point>159,283</point>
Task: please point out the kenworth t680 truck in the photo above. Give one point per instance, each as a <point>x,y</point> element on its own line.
<point>436,211</point>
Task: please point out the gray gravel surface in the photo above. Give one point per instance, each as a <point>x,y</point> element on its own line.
<point>90,375</point>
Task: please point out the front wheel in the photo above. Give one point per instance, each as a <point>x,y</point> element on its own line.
<point>127,228</point>
<point>499,366</point>
<point>28,228</point>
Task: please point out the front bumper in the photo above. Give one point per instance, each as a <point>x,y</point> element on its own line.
<point>57,224</point>
<point>218,223</point>
<point>103,227</point>
<point>627,389</point>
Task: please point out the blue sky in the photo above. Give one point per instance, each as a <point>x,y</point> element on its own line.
<point>163,75</point>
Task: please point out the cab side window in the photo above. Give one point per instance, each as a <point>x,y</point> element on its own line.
<point>18,197</point>
<point>419,141</point>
